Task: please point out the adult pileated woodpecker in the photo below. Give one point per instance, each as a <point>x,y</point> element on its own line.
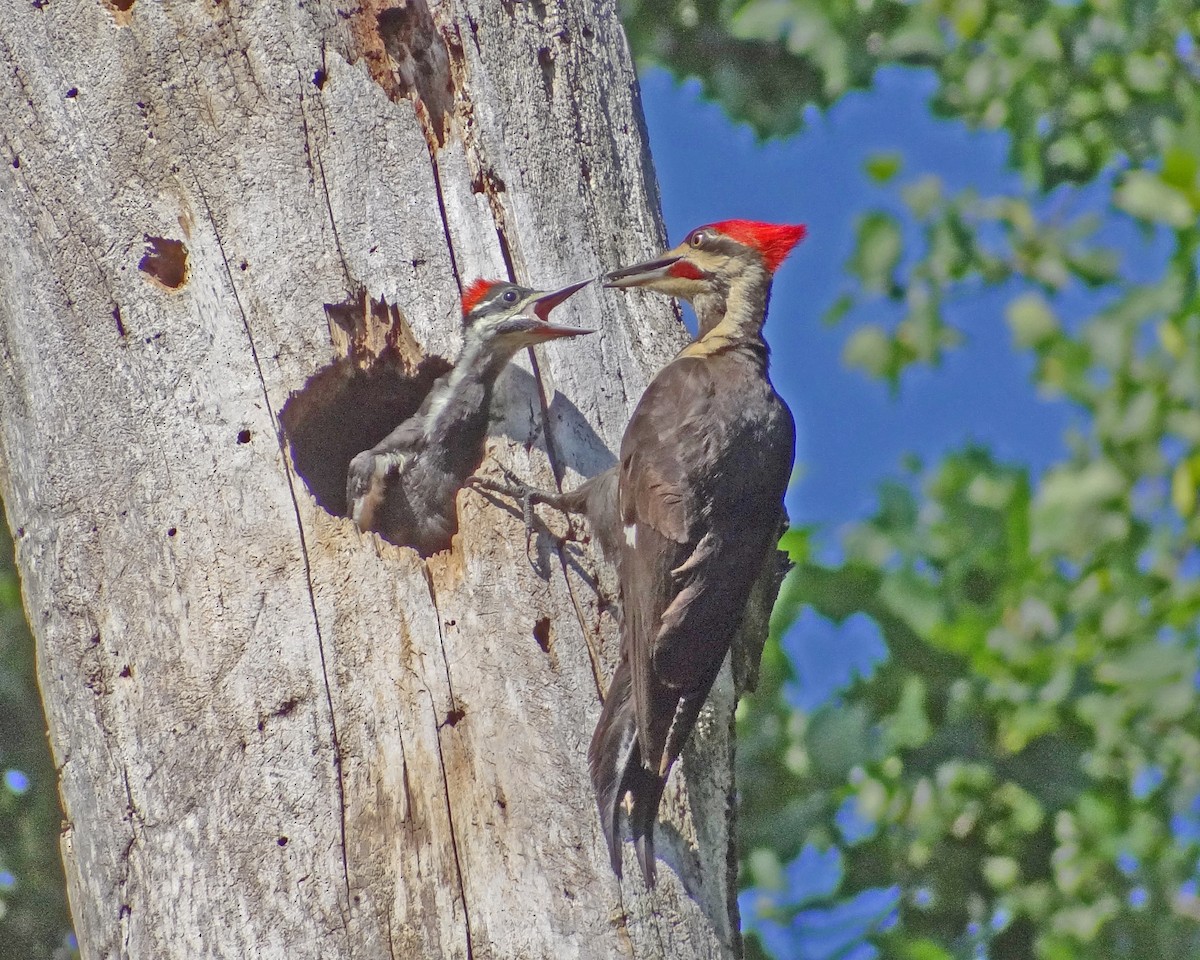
<point>404,487</point>
<point>704,464</point>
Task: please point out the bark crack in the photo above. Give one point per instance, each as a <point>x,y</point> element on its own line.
<point>311,153</point>
<point>487,182</point>
<point>429,585</point>
<point>462,890</point>
<point>440,724</point>
<point>124,909</point>
<point>308,578</point>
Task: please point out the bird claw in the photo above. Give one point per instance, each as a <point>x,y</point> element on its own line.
<point>517,489</point>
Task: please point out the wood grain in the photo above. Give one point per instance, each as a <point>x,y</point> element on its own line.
<point>278,737</point>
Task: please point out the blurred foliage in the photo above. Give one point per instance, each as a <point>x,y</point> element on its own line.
<point>1076,84</point>
<point>34,921</point>
<point>1021,776</point>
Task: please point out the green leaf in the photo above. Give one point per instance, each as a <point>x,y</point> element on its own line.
<point>795,543</point>
<point>1185,479</point>
<point>1181,169</point>
<point>883,167</point>
<point>1031,320</point>
<point>923,195</point>
<point>870,349</point>
<point>877,252</point>
<point>838,310</point>
<point>838,741</point>
<point>1144,195</point>
<point>1079,509</point>
<point>924,949</point>
<point>1147,73</point>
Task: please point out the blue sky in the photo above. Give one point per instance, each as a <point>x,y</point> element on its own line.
<point>853,431</point>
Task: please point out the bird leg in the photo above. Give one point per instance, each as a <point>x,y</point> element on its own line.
<point>523,493</point>
<point>519,490</point>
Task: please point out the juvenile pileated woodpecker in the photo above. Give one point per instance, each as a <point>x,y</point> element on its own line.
<point>404,487</point>
<point>703,468</point>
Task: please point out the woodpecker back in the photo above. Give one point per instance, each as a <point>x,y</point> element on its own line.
<point>704,464</point>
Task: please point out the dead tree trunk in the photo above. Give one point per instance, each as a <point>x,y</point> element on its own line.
<point>235,238</point>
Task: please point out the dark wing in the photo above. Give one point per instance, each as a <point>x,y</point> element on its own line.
<point>704,466</point>
<point>615,763</point>
<point>373,472</point>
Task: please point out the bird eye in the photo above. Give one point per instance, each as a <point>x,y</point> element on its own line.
<point>510,296</point>
<point>698,238</point>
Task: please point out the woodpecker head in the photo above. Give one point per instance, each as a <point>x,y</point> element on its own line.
<point>713,258</point>
<point>504,317</point>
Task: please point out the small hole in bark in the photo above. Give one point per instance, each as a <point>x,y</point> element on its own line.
<point>287,708</point>
<point>126,671</point>
<point>546,62</point>
<point>16,163</point>
<point>282,841</point>
<point>117,319</point>
<point>123,5</point>
<point>352,404</point>
<point>165,262</point>
<point>171,531</point>
<point>541,633</point>
<point>319,79</point>
<point>125,911</point>
<point>454,716</point>
<point>72,93</point>
<point>243,436</point>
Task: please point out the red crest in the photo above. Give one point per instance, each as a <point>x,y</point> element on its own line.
<point>476,292</point>
<point>773,240</point>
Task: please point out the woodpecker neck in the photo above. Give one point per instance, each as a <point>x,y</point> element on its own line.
<point>733,313</point>
<point>465,393</point>
<point>710,309</point>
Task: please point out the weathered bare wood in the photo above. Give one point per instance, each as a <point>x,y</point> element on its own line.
<point>279,737</point>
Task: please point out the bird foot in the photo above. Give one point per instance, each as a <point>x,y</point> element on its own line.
<point>516,489</point>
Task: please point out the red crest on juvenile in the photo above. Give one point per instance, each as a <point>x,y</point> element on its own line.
<point>476,292</point>
<point>773,240</point>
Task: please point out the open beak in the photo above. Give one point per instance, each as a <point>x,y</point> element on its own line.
<point>541,307</point>
<point>641,273</point>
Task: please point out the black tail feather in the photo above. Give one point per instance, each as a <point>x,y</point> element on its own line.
<point>613,743</point>
<point>615,761</point>
<point>645,789</point>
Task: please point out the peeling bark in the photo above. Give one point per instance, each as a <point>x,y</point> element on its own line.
<point>277,736</point>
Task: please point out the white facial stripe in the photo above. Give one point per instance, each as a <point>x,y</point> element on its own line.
<point>631,534</point>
